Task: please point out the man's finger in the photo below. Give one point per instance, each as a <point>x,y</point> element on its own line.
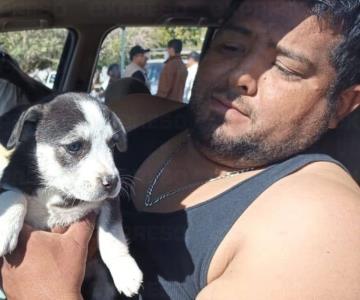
<point>58,229</point>
<point>82,231</point>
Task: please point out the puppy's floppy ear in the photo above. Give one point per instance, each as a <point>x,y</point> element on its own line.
<point>25,125</point>
<point>120,132</point>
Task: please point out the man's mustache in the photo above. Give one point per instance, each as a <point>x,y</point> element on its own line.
<point>234,97</point>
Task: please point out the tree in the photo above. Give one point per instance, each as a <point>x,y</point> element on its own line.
<point>35,49</point>
<point>192,37</point>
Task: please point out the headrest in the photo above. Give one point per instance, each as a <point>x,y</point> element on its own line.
<point>124,87</point>
<point>343,144</point>
<point>138,109</point>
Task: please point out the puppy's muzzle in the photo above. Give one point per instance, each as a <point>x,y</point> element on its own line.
<point>110,183</point>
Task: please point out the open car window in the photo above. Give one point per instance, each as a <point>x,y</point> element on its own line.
<point>37,52</point>
<point>118,43</point>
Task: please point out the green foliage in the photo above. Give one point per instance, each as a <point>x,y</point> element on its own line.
<point>35,49</point>
<point>192,37</point>
<point>110,49</point>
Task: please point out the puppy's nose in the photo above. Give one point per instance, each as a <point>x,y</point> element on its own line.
<point>109,182</point>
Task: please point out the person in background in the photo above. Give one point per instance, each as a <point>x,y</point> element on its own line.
<point>114,73</point>
<point>173,76</point>
<point>136,69</point>
<point>192,67</point>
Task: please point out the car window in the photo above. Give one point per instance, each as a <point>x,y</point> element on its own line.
<point>37,52</point>
<point>117,44</point>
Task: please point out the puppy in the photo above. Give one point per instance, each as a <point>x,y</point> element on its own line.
<point>62,168</point>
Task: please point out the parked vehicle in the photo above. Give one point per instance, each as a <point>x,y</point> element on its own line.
<point>153,70</point>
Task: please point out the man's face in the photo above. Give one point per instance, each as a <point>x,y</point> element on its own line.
<point>190,62</point>
<point>262,89</point>
<point>141,59</point>
<point>171,52</point>
<point>115,73</point>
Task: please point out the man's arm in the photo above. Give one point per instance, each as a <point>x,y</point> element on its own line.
<point>302,242</point>
<point>166,81</point>
<point>10,71</point>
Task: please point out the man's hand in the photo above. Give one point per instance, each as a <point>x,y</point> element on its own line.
<point>48,265</point>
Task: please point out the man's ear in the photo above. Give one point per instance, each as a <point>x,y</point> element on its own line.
<point>348,101</point>
<point>26,123</point>
<point>120,132</point>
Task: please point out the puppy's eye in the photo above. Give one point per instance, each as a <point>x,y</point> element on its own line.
<point>74,147</point>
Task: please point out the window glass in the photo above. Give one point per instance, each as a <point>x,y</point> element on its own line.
<point>114,56</point>
<point>37,52</point>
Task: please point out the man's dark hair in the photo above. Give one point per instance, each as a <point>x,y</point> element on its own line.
<point>344,16</point>
<point>194,55</point>
<point>113,67</point>
<point>176,45</point>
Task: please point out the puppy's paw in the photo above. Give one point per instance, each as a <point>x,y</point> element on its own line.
<point>127,276</point>
<point>8,241</point>
<point>12,214</point>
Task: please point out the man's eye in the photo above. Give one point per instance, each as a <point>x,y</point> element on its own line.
<point>74,147</point>
<point>232,49</point>
<point>291,75</point>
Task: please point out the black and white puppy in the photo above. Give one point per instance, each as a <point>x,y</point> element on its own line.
<point>62,168</point>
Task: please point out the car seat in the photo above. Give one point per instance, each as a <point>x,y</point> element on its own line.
<point>124,87</point>
<point>343,144</point>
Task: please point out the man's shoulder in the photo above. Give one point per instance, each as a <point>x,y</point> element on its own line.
<point>319,180</point>
<point>176,60</point>
<point>316,191</point>
<point>321,188</point>
<point>299,240</point>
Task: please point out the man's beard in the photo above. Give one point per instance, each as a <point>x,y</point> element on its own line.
<point>252,149</point>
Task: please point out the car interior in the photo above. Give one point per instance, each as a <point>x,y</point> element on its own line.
<point>88,23</point>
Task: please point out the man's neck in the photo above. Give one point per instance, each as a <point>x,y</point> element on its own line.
<point>221,162</point>
<point>174,56</point>
<point>206,162</point>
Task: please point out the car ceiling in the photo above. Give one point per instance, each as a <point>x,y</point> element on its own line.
<point>54,13</point>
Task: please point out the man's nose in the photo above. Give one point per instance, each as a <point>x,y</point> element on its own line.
<point>109,182</point>
<point>243,80</point>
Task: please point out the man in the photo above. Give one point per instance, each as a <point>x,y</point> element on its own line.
<point>136,69</point>
<point>192,68</point>
<point>173,75</point>
<point>113,72</point>
<point>276,77</point>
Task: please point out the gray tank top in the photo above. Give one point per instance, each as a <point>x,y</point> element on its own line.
<point>174,250</point>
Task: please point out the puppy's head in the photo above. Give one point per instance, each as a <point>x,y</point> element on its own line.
<point>75,136</point>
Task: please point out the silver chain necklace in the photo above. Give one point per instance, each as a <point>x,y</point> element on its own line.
<point>150,202</point>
